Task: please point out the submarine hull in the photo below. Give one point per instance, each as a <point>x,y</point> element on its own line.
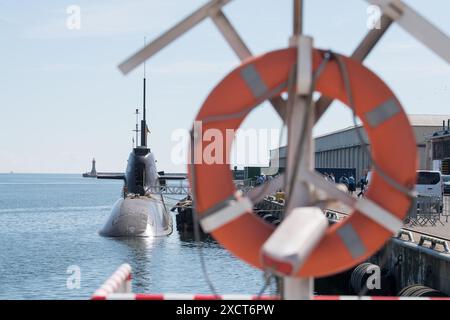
<point>138,216</point>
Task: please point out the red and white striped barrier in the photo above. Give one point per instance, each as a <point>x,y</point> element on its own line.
<point>118,287</point>
<point>118,283</point>
<point>376,298</point>
<point>180,296</point>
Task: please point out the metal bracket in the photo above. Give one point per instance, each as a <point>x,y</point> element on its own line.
<point>169,36</point>
<point>434,242</point>
<point>239,47</point>
<point>408,234</point>
<point>416,25</point>
<point>229,33</point>
<point>394,9</point>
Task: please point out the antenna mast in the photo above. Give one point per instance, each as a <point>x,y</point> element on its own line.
<point>144,113</point>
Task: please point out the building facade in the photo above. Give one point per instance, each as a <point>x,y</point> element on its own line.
<point>343,149</point>
<point>438,149</point>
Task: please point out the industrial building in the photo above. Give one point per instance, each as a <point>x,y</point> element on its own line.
<point>438,149</point>
<point>342,149</point>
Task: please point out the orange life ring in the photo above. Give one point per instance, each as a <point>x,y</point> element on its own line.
<point>392,145</point>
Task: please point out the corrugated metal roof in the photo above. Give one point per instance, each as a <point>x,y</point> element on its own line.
<point>428,120</point>
<point>417,120</point>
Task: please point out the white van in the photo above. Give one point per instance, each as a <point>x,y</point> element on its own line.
<point>430,184</point>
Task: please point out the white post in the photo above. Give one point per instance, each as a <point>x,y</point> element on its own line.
<point>298,288</point>
<point>300,123</point>
<point>300,194</point>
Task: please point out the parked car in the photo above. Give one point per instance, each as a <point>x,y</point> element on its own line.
<point>430,184</point>
<point>446,179</point>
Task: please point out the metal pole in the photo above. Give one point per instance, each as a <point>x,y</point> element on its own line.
<point>300,194</point>
<point>144,116</point>
<point>144,108</point>
<point>169,36</point>
<point>360,53</point>
<point>298,15</point>
<point>240,48</point>
<point>413,23</point>
<point>143,122</point>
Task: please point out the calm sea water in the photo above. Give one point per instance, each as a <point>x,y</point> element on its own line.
<point>50,222</point>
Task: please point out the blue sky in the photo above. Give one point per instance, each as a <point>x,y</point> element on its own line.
<point>63,100</point>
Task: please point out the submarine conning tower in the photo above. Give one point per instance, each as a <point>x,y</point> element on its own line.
<point>141,171</point>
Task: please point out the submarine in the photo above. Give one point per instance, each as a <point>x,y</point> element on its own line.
<point>139,212</point>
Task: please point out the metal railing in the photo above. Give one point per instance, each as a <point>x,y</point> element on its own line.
<point>426,210</point>
<point>446,211</point>
<point>406,233</point>
<point>166,190</point>
<point>183,189</point>
<point>433,242</point>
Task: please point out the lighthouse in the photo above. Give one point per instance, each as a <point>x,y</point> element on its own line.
<point>93,171</point>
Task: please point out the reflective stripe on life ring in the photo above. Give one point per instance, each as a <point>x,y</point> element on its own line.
<point>228,216</point>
